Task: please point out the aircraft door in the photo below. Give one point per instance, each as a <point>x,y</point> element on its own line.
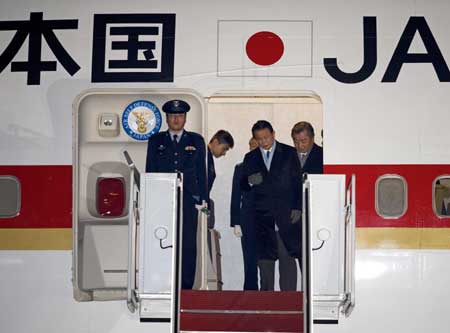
<point>105,124</point>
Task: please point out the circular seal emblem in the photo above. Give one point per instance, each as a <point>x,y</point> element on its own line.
<point>141,119</point>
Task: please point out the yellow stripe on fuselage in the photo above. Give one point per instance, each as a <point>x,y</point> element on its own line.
<point>366,238</point>
<point>36,239</point>
<point>403,238</point>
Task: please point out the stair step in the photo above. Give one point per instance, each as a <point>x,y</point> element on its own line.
<point>241,311</point>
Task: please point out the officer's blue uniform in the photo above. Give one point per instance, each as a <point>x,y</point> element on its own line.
<point>189,157</point>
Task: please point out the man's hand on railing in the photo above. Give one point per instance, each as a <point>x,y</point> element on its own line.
<point>203,208</point>
<point>237,231</point>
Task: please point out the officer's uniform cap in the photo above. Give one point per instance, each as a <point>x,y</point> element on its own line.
<point>176,106</point>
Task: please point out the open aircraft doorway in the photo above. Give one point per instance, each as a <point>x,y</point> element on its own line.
<point>237,113</point>
<point>239,304</point>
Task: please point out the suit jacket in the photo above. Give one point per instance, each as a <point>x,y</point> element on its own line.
<point>314,162</point>
<point>241,208</point>
<point>280,191</point>
<point>274,198</point>
<point>211,171</point>
<point>187,156</point>
<point>242,214</point>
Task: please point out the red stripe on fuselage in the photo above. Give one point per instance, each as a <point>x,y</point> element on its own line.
<point>46,196</point>
<point>420,179</point>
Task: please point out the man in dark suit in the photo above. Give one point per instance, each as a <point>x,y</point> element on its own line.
<point>218,146</point>
<point>309,154</point>
<point>241,211</point>
<point>178,150</point>
<point>272,174</point>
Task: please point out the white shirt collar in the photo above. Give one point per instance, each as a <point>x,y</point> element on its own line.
<point>178,133</point>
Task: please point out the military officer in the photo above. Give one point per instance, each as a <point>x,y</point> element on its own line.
<point>177,150</point>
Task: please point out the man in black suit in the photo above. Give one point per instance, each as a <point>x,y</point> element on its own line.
<point>309,154</point>
<point>272,174</point>
<point>241,220</point>
<point>218,146</point>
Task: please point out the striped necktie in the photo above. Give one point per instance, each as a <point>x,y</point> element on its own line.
<point>303,157</point>
<point>266,158</point>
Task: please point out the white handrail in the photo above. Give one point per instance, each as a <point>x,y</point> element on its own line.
<point>203,225</point>
<point>131,281</point>
<point>350,228</point>
<point>307,257</point>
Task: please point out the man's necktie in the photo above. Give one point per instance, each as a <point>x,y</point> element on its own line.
<point>303,158</point>
<point>175,137</point>
<point>266,159</point>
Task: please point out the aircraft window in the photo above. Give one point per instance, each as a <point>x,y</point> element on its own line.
<point>391,196</point>
<point>9,196</point>
<point>441,196</point>
<point>110,196</point>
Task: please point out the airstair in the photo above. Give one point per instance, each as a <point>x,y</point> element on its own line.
<point>155,225</point>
